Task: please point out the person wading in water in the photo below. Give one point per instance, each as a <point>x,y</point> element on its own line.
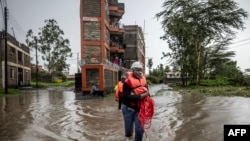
<point>136,102</point>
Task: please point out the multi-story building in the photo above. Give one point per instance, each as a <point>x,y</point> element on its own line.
<point>135,45</point>
<point>102,44</point>
<point>18,66</point>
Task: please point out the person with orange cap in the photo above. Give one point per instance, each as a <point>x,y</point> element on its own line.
<point>134,90</point>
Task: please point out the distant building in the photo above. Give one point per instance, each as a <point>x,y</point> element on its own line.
<point>66,73</point>
<point>40,68</point>
<point>19,71</point>
<point>70,77</point>
<point>135,45</point>
<point>173,78</point>
<point>176,74</point>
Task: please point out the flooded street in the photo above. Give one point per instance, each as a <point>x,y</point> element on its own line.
<point>58,115</point>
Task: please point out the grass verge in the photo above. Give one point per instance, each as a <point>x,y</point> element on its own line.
<point>45,85</point>
<point>216,91</point>
<point>40,85</point>
<point>10,92</point>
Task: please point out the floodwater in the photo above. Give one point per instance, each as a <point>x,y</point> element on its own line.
<point>59,115</point>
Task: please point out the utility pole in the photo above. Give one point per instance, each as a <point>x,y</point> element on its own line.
<point>6,49</point>
<point>36,64</point>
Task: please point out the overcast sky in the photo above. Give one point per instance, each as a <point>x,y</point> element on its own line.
<point>31,14</point>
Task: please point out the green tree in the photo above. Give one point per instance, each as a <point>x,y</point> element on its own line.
<point>247,80</point>
<point>231,72</point>
<point>167,69</point>
<point>53,46</point>
<point>150,64</point>
<point>215,58</point>
<point>175,68</point>
<point>161,70</point>
<point>191,25</point>
<point>31,41</point>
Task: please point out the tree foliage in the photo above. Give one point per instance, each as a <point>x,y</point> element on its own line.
<point>52,45</point>
<point>198,31</point>
<point>150,63</point>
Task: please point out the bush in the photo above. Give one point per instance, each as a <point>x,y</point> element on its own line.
<point>149,82</point>
<point>247,80</point>
<point>153,79</point>
<point>207,82</point>
<point>58,81</point>
<point>220,81</point>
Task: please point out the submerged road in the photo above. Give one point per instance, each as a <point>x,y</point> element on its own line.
<point>56,114</point>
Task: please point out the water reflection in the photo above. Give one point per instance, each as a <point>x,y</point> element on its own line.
<point>204,117</point>
<point>57,115</point>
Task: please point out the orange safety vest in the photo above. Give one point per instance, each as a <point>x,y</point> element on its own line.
<point>146,105</point>
<point>119,90</point>
<point>120,87</point>
<point>138,86</point>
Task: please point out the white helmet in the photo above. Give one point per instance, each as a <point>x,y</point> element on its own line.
<point>123,76</point>
<point>136,65</point>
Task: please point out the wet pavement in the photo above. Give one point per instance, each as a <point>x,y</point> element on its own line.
<point>56,114</point>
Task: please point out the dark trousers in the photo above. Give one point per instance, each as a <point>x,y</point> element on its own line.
<point>119,102</point>
<point>131,122</point>
<point>94,93</point>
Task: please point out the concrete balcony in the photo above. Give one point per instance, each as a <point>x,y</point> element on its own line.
<point>115,30</point>
<point>115,8</point>
<point>117,49</point>
<point>116,46</point>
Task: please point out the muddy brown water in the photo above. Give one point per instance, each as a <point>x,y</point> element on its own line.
<point>56,114</point>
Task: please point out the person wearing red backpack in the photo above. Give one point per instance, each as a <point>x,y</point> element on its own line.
<point>135,90</point>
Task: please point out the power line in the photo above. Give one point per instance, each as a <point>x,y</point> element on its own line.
<point>236,46</point>
<point>241,41</point>
<point>14,25</point>
<point>2,11</point>
<point>3,4</point>
<point>13,22</point>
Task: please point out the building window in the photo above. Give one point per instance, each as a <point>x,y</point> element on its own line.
<point>26,58</point>
<point>20,56</point>
<point>12,51</point>
<point>12,73</point>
